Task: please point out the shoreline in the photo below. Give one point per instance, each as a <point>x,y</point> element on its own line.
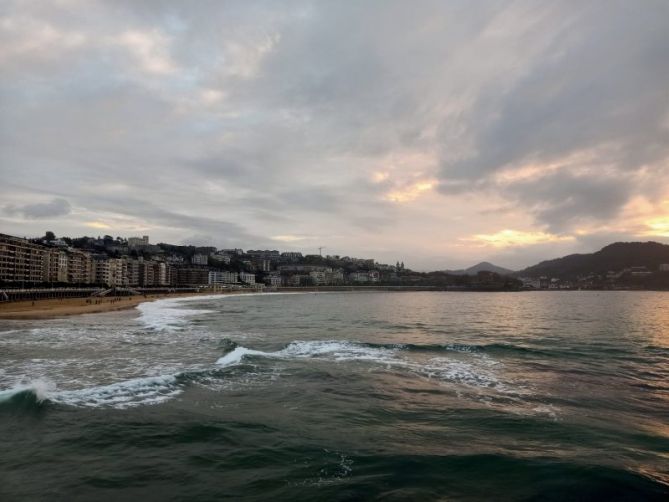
<point>53,308</point>
<point>27,310</point>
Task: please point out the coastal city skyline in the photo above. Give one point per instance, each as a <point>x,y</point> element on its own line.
<point>52,265</point>
<point>334,250</point>
<point>479,137</point>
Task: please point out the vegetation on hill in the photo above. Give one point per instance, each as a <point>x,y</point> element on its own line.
<point>484,266</point>
<point>614,257</point>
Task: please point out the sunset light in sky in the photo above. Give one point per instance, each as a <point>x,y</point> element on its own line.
<point>437,133</point>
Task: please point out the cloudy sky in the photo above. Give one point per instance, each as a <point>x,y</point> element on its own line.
<point>439,133</point>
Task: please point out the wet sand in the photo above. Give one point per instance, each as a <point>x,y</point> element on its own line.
<point>51,308</point>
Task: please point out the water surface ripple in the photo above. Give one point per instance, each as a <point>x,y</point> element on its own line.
<point>342,396</point>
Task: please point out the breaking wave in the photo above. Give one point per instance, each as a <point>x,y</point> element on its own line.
<point>25,397</point>
<point>472,373</point>
<point>125,394</point>
<point>477,371</point>
<point>168,313</point>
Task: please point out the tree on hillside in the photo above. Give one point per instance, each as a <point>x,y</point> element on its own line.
<point>49,236</point>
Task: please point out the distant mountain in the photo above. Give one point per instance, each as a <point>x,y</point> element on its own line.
<point>484,266</point>
<point>614,257</point>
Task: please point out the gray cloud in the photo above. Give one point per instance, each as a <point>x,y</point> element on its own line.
<point>57,207</point>
<point>599,87</point>
<point>240,121</point>
<point>563,199</point>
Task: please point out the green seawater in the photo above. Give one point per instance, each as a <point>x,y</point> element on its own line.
<point>342,396</point>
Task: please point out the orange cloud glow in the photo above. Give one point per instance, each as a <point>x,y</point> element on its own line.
<point>511,238</point>
<point>411,192</point>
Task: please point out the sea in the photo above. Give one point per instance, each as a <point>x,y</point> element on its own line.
<point>528,396</point>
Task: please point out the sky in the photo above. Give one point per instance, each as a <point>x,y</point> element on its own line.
<point>435,133</point>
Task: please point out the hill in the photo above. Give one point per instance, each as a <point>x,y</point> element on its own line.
<point>614,257</point>
<point>484,266</point>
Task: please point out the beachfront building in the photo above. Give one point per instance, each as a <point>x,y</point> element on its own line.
<point>364,276</point>
<point>273,280</point>
<point>222,277</point>
<point>335,277</point>
<point>296,280</point>
<point>247,277</point>
<point>131,267</point>
<point>79,267</point>
<point>318,277</point>
<point>118,274</point>
<point>54,267</point>
<point>192,276</point>
<point>146,276</point>
<point>101,270</point>
<point>153,273</point>
<point>21,261</point>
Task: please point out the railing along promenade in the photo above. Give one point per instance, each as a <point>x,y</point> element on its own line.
<point>19,294</point>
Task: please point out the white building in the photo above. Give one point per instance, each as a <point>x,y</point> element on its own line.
<point>247,278</point>
<point>273,280</point>
<point>318,277</point>
<point>131,267</point>
<point>365,276</point>
<point>335,277</point>
<point>200,259</point>
<point>222,277</point>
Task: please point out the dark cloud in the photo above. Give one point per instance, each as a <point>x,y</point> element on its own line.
<point>239,121</point>
<point>563,200</point>
<point>597,90</point>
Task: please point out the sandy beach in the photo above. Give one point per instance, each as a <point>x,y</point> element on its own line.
<point>51,308</point>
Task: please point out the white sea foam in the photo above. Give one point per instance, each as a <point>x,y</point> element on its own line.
<point>135,392</point>
<point>165,314</point>
<point>471,373</point>
<point>237,355</point>
<point>39,387</point>
<point>125,394</point>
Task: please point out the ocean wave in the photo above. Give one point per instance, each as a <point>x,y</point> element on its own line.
<point>125,394</point>
<point>165,314</point>
<point>120,395</point>
<point>478,370</point>
<point>471,373</point>
<point>25,397</point>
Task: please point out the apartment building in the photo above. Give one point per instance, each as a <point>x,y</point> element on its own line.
<point>200,259</point>
<point>54,267</point>
<point>79,267</point>
<point>247,277</point>
<point>131,267</point>
<point>21,262</point>
<point>222,277</point>
<point>364,276</point>
<point>192,276</point>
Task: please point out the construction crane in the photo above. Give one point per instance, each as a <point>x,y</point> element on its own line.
<point>320,250</point>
